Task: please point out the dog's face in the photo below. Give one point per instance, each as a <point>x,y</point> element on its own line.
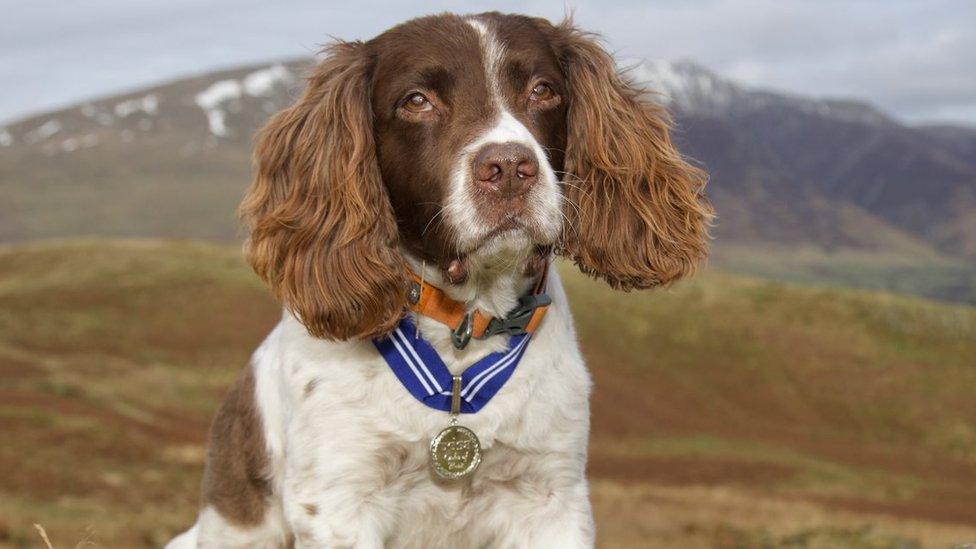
<point>470,124</point>
<point>448,138</point>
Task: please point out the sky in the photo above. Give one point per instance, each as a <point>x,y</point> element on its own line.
<point>914,59</point>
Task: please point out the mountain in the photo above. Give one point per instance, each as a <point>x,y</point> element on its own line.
<point>827,161</point>
<point>171,160</point>
<point>741,412</point>
<point>805,189</point>
<point>959,139</point>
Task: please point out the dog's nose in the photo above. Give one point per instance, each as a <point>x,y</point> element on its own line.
<point>508,169</point>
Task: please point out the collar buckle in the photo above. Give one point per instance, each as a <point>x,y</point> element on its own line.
<point>518,319</point>
<point>462,334</point>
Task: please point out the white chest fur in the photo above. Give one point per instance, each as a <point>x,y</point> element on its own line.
<point>349,444</point>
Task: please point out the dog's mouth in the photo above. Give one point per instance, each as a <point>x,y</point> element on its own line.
<point>511,232</point>
<point>510,224</point>
<point>511,243</point>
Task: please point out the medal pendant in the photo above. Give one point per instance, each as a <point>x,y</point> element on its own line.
<point>455,452</point>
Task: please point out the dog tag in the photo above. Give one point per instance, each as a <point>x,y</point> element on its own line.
<point>455,452</point>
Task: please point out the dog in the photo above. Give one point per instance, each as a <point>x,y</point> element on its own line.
<point>410,201</point>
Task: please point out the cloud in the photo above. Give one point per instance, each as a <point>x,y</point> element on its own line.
<point>915,59</point>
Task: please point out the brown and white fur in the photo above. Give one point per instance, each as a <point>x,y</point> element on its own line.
<point>465,148</point>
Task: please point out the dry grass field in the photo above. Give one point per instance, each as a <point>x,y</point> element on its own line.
<point>728,411</point>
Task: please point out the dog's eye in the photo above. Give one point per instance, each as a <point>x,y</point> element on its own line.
<point>417,103</point>
<point>541,92</point>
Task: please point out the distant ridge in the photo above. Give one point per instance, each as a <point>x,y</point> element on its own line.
<point>790,175</point>
<point>920,182</point>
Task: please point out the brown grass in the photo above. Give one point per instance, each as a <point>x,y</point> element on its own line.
<point>739,413</point>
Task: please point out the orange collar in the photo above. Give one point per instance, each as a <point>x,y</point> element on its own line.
<point>430,301</point>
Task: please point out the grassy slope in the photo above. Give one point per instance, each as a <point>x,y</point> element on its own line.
<point>920,272</point>
<point>727,410</point>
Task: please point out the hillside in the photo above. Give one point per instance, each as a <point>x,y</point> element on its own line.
<point>806,189</point>
<point>729,411</point>
<point>800,154</point>
<point>829,177</point>
<point>170,161</point>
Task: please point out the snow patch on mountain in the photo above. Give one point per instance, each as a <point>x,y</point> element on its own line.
<point>684,85</point>
<point>148,104</point>
<point>217,122</point>
<point>221,97</point>
<point>103,117</point>
<point>6,139</point>
<point>218,92</point>
<point>687,87</point>
<point>43,131</point>
<point>262,82</point>
<point>73,144</point>
<point>211,99</point>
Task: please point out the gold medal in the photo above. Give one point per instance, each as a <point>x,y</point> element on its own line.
<point>455,452</point>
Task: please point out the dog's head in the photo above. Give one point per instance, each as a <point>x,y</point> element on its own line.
<point>453,137</point>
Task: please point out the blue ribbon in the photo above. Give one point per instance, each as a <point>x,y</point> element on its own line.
<point>420,369</point>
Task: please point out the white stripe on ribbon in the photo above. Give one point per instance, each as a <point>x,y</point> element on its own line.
<point>420,363</point>
<point>497,371</point>
<point>412,367</point>
<point>471,390</point>
<point>504,359</point>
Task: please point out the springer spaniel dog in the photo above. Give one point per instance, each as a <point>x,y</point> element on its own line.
<point>424,387</point>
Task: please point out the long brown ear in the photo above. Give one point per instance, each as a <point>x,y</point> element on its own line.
<point>322,231</point>
<point>636,213</point>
